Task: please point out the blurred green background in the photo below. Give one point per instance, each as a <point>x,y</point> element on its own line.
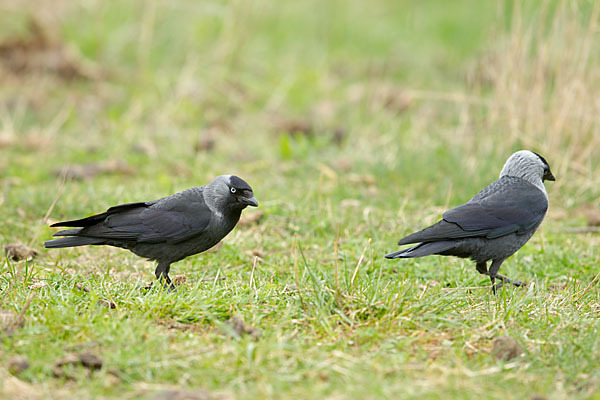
<point>355,123</point>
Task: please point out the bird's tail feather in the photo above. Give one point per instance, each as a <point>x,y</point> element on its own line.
<point>68,232</point>
<point>424,249</point>
<point>72,241</point>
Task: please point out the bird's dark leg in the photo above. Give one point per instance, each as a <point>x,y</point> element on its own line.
<point>493,273</point>
<point>482,267</point>
<point>162,274</point>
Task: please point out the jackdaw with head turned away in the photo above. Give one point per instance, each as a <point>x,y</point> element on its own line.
<point>165,230</point>
<point>495,223</point>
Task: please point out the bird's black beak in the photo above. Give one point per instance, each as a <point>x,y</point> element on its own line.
<point>249,201</point>
<point>548,176</point>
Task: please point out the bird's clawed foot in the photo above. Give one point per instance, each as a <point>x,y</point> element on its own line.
<point>508,280</point>
<point>167,286</point>
<point>166,283</point>
<point>170,287</point>
<point>503,279</point>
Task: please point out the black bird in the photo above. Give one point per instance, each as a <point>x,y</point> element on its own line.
<point>495,223</point>
<point>165,230</point>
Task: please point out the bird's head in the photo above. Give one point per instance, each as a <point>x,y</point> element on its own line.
<point>527,165</point>
<point>231,192</point>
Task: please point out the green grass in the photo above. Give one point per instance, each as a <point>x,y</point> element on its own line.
<point>430,100</point>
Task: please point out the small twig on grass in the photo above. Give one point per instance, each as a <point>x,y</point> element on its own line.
<point>112,301</point>
<point>424,290</point>
<point>254,262</point>
<point>587,289</point>
<point>217,277</point>
<point>19,319</point>
<point>360,260</point>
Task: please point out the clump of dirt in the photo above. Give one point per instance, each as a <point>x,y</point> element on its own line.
<point>41,52</point>
<point>17,364</point>
<point>88,171</point>
<point>87,360</point>
<point>180,394</point>
<point>32,140</point>
<point>107,303</point>
<point>90,361</point>
<point>258,253</point>
<point>82,287</point>
<point>590,213</point>
<point>18,251</point>
<point>506,348</point>
<point>145,147</point>
<point>204,143</point>
<point>537,396</point>
<point>10,322</point>
<point>308,128</point>
<point>240,328</point>
<point>8,319</point>
<point>380,96</point>
<point>296,128</point>
<point>179,280</point>
<point>252,218</point>
<point>37,285</point>
<point>103,302</point>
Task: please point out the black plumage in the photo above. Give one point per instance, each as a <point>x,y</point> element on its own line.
<point>495,223</point>
<point>165,230</point>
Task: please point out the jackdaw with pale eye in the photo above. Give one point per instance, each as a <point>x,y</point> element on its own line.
<point>165,230</point>
<point>495,223</point>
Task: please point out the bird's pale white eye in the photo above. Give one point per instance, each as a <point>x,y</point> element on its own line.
<point>233,190</point>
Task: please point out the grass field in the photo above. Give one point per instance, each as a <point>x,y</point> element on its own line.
<point>355,123</point>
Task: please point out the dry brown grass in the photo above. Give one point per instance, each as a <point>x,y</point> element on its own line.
<point>545,84</point>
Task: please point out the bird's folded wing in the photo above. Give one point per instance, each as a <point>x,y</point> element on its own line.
<point>94,219</point>
<point>511,205</point>
<point>506,206</point>
<point>443,230</point>
<point>152,225</point>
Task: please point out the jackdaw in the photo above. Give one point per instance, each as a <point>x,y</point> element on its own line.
<point>165,230</point>
<point>495,223</point>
